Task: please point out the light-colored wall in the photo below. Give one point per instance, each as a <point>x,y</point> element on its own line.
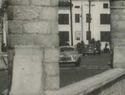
<point>76,26</point>
<point>96,10</point>
<point>96,27</point>
<point>65,27</point>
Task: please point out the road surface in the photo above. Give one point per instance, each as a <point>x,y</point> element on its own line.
<point>90,66</point>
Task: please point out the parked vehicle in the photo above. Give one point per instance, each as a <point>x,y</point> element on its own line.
<point>68,54</point>
<point>97,51</point>
<point>90,50</point>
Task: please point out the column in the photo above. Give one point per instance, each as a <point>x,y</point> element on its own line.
<point>118,32</point>
<point>33,32</point>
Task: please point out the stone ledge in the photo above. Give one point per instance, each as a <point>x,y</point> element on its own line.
<point>90,84</point>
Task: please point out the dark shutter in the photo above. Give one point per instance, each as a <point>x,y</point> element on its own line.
<point>105,36</point>
<point>63,19</point>
<point>77,18</point>
<point>104,18</point>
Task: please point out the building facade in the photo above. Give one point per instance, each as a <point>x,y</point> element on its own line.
<point>89,20</point>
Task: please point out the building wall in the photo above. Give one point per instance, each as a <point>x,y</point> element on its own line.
<point>96,27</point>
<point>77,30</point>
<point>96,10</point>
<point>65,27</point>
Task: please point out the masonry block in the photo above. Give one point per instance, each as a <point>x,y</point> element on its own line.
<point>48,40</point>
<point>27,71</point>
<point>40,2</point>
<point>42,27</point>
<point>118,3</point>
<point>119,60</point>
<point>49,13</point>
<point>52,82</point>
<point>52,69</point>
<point>19,2</point>
<point>54,27</point>
<point>24,12</point>
<point>120,26</point>
<point>45,2</point>
<point>51,55</point>
<point>15,26</point>
<point>54,2</point>
<point>118,35</point>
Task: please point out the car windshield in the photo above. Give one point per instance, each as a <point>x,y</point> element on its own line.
<point>65,49</point>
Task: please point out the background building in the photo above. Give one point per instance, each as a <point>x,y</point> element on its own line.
<point>64,22</point>
<point>99,19</point>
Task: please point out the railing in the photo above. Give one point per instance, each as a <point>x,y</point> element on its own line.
<point>111,82</point>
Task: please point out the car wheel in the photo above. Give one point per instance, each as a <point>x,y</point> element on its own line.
<point>78,62</point>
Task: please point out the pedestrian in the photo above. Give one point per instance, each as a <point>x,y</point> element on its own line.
<point>98,46</point>
<point>78,47</point>
<point>106,49</point>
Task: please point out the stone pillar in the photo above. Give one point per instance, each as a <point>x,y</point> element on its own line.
<point>118,32</point>
<point>33,32</point>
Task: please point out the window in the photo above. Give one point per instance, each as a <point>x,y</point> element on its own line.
<point>104,18</point>
<point>78,35</point>
<point>63,37</point>
<point>105,5</point>
<point>64,4</point>
<point>63,19</point>
<point>88,18</point>
<point>77,6</point>
<point>88,35</point>
<point>77,18</point>
<point>105,36</point>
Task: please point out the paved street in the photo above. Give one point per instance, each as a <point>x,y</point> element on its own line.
<point>90,65</point>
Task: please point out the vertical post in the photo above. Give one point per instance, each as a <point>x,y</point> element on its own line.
<point>89,23</point>
<point>5,29</point>
<point>82,21</point>
<point>71,24</point>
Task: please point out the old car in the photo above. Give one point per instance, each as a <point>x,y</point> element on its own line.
<point>68,54</point>
<point>88,50</point>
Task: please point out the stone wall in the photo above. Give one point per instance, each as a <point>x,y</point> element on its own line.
<point>118,32</point>
<point>33,29</point>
